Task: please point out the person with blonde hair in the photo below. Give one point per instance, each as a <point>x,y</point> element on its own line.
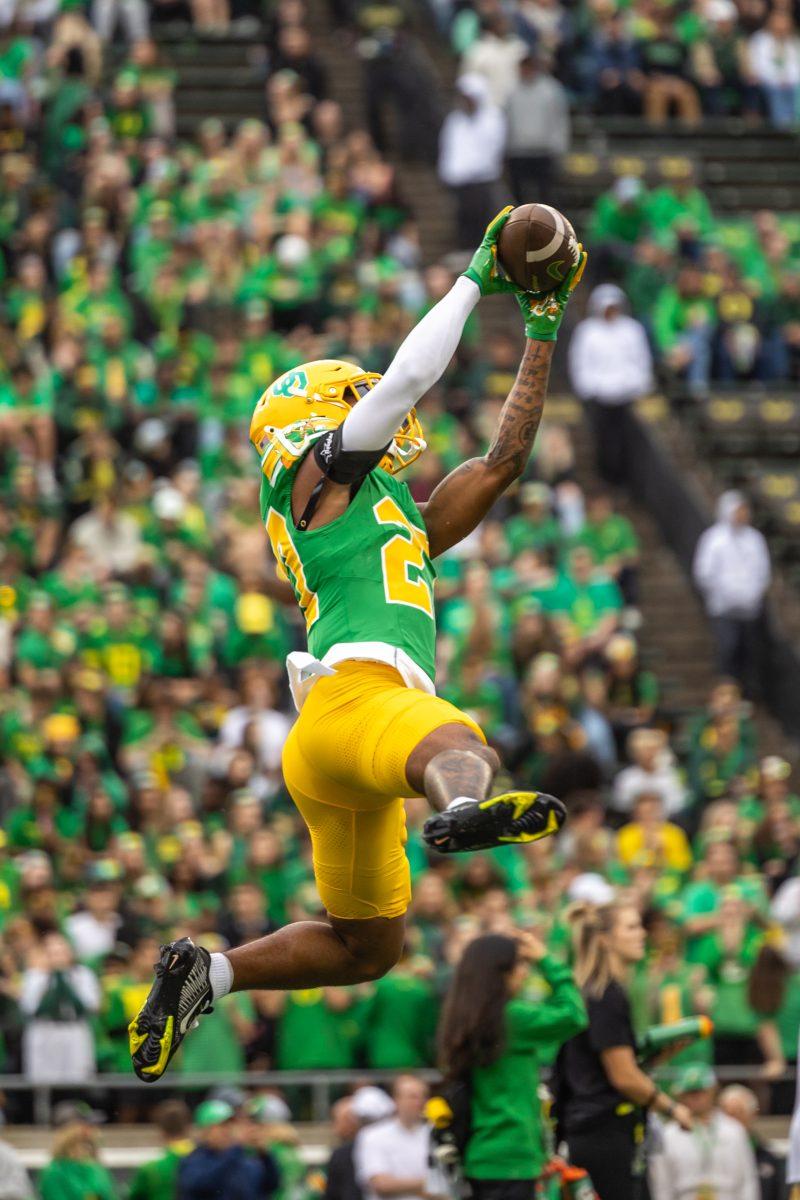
<point>74,1172</point>
<point>602,1095</point>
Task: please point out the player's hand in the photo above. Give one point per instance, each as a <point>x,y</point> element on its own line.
<point>484,268</point>
<point>543,312</point>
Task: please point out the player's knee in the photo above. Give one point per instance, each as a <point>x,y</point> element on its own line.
<point>374,948</point>
<point>376,962</point>
<point>489,756</point>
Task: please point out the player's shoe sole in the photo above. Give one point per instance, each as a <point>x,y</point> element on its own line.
<point>514,818</point>
<point>180,994</point>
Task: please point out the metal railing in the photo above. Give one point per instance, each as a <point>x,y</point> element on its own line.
<point>322,1087</point>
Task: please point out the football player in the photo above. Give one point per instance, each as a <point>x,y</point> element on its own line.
<point>358,553</point>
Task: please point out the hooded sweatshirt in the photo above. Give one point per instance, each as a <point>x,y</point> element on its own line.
<point>609,360</point>
<point>731,564</point>
<point>471,144</point>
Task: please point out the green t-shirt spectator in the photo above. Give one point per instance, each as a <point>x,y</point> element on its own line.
<point>484,702</point>
<point>667,208</point>
<point>400,1022</point>
<point>158,1180</point>
<point>584,605</point>
<point>728,975</point>
<point>69,1179</point>
<point>704,897</point>
<point>312,1035</point>
<point>613,538</point>
<point>216,1046</point>
<point>524,534</point>
<point>674,315</point>
<point>613,221</point>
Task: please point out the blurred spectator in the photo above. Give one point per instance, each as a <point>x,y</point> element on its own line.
<point>652,771</point>
<point>340,1174</point>
<point>683,325</point>
<point>741,1104</point>
<point>391,1156</point>
<point>732,571</point>
<point>58,999</point>
<point>538,124</point>
<point>715,1157</point>
<point>774,55</point>
<point>496,57</point>
<point>14,1181</point>
<point>74,1169</point>
<point>720,63</point>
<point>220,1164</point>
<point>131,14</point>
<point>471,148</point>
<point>158,1180</point>
<point>269,1130</point>
<point>610,367</point>
<point>616,68</point>
<point>650,836</point>
<point>664,60</point>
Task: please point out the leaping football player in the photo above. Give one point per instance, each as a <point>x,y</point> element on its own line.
<point>358,553</point>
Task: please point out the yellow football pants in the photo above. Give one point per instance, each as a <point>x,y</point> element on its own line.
<point>344,763</point>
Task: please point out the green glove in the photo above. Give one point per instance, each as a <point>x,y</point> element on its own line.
<point>484,268</point>
<point>542,312</point>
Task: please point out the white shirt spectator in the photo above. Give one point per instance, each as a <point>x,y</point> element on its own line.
<point>785,909</point>
<point>15,1183</point>
<point>609,356</point>
<point>272,729</point>
<point>471,144</point>
<point>731,563</point>
<point>714,1159</point>
<point>392,1148</point>
<point>774,61</point>
<point>537,111</point>
<point>57,999</point>
<point>497,59</point>
<point>663,781</point>
<point>112,540</point>
<point>92,937</point>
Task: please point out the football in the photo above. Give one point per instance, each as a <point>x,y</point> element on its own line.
<point>537,247</point>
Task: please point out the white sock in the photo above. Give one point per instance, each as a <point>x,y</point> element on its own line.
<point>220,975</point>
<point>459,800</point>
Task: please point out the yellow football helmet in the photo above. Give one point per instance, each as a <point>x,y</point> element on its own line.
<point>315,397</point>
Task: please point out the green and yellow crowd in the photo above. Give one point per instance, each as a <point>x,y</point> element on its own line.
<point>150,289</point>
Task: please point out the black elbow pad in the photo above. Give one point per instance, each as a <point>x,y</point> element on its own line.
<point>344,466</point>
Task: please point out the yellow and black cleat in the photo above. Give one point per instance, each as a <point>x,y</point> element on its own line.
<point>514,818</point>
<point>180,994</point>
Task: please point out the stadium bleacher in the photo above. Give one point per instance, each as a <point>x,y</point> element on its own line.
<point>180,224</point>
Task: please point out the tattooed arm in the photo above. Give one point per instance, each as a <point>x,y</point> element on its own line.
<point>466,495</point>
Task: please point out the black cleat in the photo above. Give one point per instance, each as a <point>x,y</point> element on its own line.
<point>509,819</point>
<point>181,993</point>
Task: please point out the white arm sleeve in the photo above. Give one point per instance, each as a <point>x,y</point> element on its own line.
<point>418,364</point>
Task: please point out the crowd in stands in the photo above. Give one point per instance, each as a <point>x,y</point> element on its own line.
<point>719,297</point>
<point>151,288</point>
<point>707,57</point>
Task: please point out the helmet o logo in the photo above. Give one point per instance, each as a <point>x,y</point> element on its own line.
<point>292,384</point>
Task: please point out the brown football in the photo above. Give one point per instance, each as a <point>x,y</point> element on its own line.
<point>537,247</point>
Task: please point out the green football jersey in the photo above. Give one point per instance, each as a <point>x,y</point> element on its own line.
<point>365,577</point>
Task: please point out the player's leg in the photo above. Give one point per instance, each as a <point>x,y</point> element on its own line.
<point>454,768</point>
<point>310,954</point>
<point>363,880</point>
